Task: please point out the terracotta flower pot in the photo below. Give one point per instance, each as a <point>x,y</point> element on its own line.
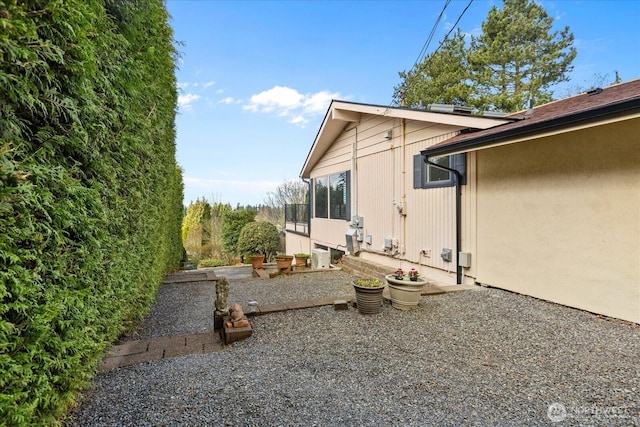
<point>256,261</point>
<point>283,262</point>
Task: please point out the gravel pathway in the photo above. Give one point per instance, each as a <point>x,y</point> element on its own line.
<point>485,357</point>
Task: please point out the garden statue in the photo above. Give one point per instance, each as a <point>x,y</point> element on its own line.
<point>221,307</point>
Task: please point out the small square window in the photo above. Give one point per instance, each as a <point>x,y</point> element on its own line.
<point>438,175</point>
<point>427,176</point>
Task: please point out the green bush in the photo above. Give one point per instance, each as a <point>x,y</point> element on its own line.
<point>259,237</point>
<point>232,224</point>
<point>212,263</point>
<point>90,191</point>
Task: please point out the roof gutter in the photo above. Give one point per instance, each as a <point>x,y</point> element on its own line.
<point>608,111</point>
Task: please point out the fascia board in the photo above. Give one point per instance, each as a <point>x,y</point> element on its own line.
<point>497,141</point>
<point>341,113</point>
<point>461,120</point>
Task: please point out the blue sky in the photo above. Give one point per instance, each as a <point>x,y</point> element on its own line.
<point>256,77</point>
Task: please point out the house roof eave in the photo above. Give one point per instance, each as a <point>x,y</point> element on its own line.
<point>341,113</point>
<point>507,134</point>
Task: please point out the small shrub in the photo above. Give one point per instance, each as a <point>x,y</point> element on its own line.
<point>212,263</point>
<point>369,283</point>
<point>259,237</point>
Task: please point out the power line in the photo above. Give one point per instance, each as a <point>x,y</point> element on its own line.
<point>453,27</point>
<point>426,45</point>
<point>430,37</point>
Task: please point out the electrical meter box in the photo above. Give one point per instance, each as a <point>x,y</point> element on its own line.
<point>353,243</point>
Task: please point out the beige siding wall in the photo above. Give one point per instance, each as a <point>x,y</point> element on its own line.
<point>382,179</point>
<point>338,156</point>
<point>559,219</point>
<point>296,244</point>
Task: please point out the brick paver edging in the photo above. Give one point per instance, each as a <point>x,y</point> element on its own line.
<point>140,351</point>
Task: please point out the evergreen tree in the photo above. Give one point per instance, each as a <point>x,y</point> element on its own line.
<point>90,191</point>
<point>517,58</point>
<point>442,78</point>
<point>198,213</point>
<point>513,63</point>
<point>218,210</point>
<point>232,223</point>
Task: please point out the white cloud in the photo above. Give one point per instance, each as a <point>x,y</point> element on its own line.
<point>185,101</point>
<point>287,102</point>
<point>278,97</point>
<point>299,120</point>
<point>319,101</point>
<point>229,100</point>
<point>208,84</point>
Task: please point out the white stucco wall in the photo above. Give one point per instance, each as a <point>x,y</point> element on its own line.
<point>559,219</point>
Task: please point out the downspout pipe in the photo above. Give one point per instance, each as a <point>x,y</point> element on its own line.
<point>458,181</point>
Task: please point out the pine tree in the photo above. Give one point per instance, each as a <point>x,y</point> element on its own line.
<point>512,64</point>
<point>441,78</point>
<point>517,58</point>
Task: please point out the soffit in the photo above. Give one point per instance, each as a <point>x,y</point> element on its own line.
<point>340,114</point>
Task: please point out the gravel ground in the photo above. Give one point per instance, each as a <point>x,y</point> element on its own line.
<point>485,357</point>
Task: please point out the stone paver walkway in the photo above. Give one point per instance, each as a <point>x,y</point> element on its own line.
<point>140,351</point>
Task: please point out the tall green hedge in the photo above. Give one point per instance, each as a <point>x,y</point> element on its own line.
<point>90,192</point>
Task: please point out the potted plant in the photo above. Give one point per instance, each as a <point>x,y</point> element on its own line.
<point>405,290</point>
<point>260,239</point>
<point>283,262</point>
<point>368,295</point>
<point>257,261</point>
<point>301,259</point>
